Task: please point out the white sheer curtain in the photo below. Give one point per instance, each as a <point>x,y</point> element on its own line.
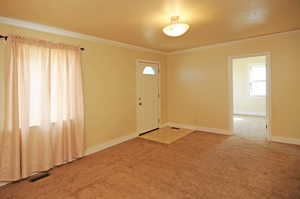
<point>44,113</point>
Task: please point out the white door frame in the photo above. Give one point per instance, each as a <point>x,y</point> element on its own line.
<point>268,94</point>
<point>138,61</point>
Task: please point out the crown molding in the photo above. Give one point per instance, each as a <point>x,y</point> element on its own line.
<point>63,32</point>
<point>59,31</point>
<point>269,36</point>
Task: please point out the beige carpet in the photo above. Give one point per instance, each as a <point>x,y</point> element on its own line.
<point>166,135</point>
<point>197,166</point>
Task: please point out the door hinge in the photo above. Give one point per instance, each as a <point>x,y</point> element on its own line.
<point>158,95</point>
<point>158,120</point>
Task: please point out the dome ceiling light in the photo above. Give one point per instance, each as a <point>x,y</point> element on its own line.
<point>175,29</point>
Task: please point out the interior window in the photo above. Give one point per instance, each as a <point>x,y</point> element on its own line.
<point>257,80</point>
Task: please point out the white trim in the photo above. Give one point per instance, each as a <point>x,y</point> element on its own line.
<point>230,94</point>
<point>148,61</point>
<point>268,95</point>
<point>3,183</point>
<point>60,31</point>
<point>286,140</point>
<point>269,36</point>
<point>138,61</point>
<point>110,143</point>
<point>164,125</point>
<point>250,114</point>
<point>200,128</point>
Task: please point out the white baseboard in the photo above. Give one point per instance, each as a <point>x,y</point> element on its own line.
<point>286,140</point>
<point>200,128</point>
<point>163,125</point>
<point>250,114</point>
<point>3,183</point>
<point>110,143</point>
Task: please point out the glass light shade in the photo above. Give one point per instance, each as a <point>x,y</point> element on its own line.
<point>175,30</point>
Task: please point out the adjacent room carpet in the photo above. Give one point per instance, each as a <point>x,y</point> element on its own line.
<point>199,165</point>
<point>166,135</point>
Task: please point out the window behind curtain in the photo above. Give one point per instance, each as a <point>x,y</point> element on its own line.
<point>57,83</point>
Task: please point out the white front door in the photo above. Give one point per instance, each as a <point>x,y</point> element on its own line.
<point>147,97</point>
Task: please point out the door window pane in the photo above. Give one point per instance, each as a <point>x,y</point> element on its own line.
<point>148,70</point>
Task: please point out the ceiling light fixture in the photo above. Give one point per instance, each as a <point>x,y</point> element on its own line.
<point>175,29</point>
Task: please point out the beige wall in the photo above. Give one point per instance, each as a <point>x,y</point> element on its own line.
<point>243,103</point>
<point>109,83</point>
<point>197,84</point>
<point>194,85</point>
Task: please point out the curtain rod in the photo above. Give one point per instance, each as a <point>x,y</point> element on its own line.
<point>5,37</point>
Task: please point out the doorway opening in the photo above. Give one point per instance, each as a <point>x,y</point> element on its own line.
<point>250,99</point>
<point>148,96</point>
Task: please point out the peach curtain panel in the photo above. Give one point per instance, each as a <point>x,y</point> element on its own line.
<point>44,112</point>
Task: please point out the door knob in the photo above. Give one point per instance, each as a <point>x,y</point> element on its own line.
<point>140,103</point>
